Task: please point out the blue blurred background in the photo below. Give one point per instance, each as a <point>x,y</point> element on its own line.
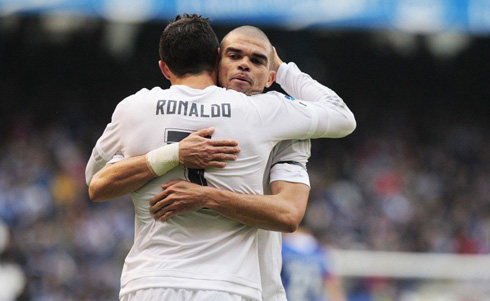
<point>413,177</point>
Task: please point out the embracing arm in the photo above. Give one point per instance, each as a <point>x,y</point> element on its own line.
<point>126,176</point>
<point>282,211</point>
<point>118,179</point>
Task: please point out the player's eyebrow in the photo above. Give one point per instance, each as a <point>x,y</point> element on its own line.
<point>256,55</point>
<point>231,49</point>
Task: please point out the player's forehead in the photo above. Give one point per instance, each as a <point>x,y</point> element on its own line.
<point>247,44</point>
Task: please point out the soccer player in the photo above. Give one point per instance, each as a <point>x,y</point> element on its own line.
<point>286,177</point>
<point>203,250</point>
<point>305,272</point>
<point>286,173</point>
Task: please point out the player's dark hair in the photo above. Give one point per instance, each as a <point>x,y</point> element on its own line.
<point>188,45</point>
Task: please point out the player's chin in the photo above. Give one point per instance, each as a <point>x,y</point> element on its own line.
<point>239,86</point>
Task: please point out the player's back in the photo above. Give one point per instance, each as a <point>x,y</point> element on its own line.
<point>158,117</point>
<point>202,249</point>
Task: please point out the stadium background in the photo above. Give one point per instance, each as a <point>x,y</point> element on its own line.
<point>413,179</point>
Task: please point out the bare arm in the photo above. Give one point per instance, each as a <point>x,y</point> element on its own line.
<point>282,211</point>
<point>126,176</point>
<point>118,179</point>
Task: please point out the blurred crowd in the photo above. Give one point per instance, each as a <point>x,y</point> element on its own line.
<point>404,181</point>
<point>68,247</point>
<point>400,194</point>
<point>385,192</point>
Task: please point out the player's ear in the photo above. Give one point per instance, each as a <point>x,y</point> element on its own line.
<point>165,70</point>
<point>271,78</point>
<point>216,67</point>
<point>219,55</point>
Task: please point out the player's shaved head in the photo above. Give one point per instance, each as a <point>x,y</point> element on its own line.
<point>250,31</point>
<point>246,62</point>
<point>254,32</point>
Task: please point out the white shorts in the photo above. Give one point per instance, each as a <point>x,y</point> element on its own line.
<point>178,294</point>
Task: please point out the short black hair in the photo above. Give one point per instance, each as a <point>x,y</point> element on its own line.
<point>188,45</point>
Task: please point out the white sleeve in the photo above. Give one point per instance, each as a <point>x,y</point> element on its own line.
<point>300,85</point>
<point>116,158</point>
<point>290,173</point>
<point>284,118</point>
<point>340,120</point>
<point>96,163</point>
<point>107,147</point>
<point>289,160</point>
<point>292,150</point>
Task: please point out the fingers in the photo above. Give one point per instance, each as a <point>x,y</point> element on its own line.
<point>204,132</point>
<point>227,150</point>
<point>163,215</point>
<point>167,210</point>
<point>157,198</point>
<point>277,60</point>
<point>166,216</point>
<point>223,142</point>
<point>170,183</point>
<point>219,160</point>
<point>223,157</point>
<point>218,164</point>
<point>225,154</point>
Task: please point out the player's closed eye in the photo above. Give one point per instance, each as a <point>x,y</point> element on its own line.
<point>257,62</point>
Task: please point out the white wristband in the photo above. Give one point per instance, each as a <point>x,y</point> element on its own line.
<point>163,159</point>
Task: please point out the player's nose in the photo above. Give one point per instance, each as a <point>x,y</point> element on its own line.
<point>244,65</point>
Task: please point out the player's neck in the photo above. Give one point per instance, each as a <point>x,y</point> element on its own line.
<point>198,81</point>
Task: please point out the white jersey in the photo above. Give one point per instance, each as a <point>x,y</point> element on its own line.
<point>287,162</point>
<point>203,250</point>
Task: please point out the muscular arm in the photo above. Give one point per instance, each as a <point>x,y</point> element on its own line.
<point>281,211</point>
<point>118,179</point>
<point>126,176</point>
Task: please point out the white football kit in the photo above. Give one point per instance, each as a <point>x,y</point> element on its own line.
<point>203,250</point>
<point>287,162</point>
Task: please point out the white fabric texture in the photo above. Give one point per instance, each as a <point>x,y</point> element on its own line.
<point>203,250</point>
<point>172,294</point>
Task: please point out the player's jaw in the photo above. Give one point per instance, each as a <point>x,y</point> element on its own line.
<point>242,78</point>
<point>240,82</point>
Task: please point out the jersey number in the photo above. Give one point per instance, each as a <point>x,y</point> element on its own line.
<point>193,175</point>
